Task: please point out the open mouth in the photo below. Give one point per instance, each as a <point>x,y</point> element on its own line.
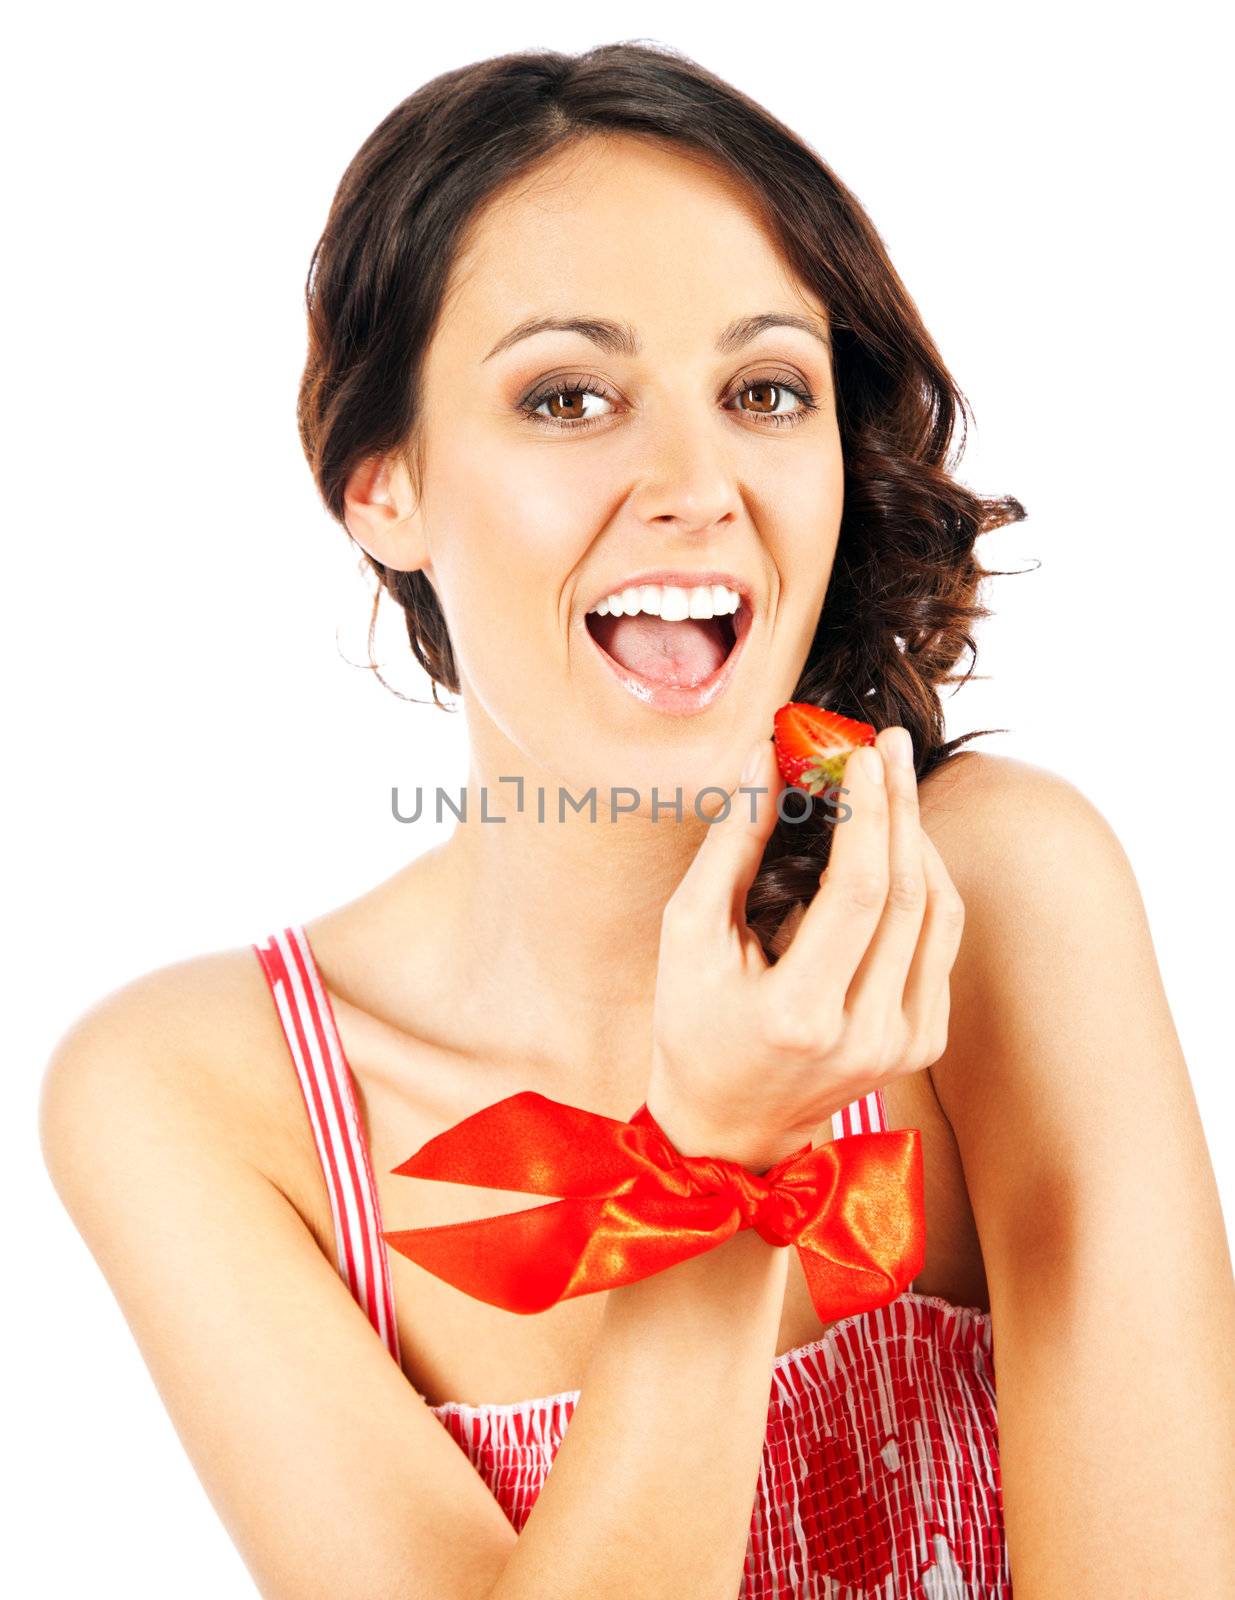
<point>681,655</point>
<point>666,657</point>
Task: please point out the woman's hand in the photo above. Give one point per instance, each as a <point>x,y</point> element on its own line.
<point>749,1059</point>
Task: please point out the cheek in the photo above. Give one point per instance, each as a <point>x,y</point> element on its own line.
<point>805,508</point>
<point>815,492</point>
<point>507,530</point>
<point>524,506</point>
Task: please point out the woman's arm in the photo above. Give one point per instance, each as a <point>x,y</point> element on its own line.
<point>332,1476</point>
<point>653,1487</point>
<point>1112,1299</point>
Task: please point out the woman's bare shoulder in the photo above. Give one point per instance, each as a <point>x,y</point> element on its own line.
<point>969,772</point>
<point>200,1034</point>
<point>969,804</point>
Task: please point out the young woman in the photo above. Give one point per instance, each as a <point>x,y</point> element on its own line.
<point>600,350</point>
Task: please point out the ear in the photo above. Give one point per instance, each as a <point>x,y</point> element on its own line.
<point>382,514</point>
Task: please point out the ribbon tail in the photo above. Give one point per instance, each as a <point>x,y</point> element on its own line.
<point>527,1261</point>
<point>533,1145</point>
<point>867,1247</point>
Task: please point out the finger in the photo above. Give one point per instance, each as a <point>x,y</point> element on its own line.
<point>875,993</point>
<point>716,883</point>
<point>927,996</point>
<point>816,970</point>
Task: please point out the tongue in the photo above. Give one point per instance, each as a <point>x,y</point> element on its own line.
<point>682,653</point>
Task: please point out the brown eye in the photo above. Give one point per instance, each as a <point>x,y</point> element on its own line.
<point>776,402</point>
<point>766,395</point>
<point>566,404</point>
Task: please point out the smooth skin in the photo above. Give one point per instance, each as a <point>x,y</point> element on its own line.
<point>1062,1078</point>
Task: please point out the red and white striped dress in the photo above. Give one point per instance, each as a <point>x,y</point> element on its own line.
<point>880,1469</point>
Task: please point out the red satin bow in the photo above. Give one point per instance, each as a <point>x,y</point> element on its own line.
<point>631,1206</point>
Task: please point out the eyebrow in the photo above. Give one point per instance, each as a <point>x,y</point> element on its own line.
<point>619,338</point>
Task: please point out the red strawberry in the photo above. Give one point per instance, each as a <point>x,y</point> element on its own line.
<point>812,744</point>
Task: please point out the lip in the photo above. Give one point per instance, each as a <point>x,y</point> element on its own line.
<point>672,699</point>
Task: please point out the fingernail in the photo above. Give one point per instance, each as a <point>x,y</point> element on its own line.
<point>752,763</point>
<point>900,747</point>
<point>872,763</point>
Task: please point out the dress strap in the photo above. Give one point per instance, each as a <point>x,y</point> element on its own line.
<point>867,1115</point>
<point>325,1080</point>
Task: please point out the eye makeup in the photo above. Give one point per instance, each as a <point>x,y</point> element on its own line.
<point>575,385</point>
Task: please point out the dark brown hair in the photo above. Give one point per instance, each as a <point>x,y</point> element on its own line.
<point>903,594</point>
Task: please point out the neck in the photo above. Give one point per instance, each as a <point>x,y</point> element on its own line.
<point>548,931</point>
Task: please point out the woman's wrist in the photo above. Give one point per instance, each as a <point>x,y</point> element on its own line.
<point>691,1135</point>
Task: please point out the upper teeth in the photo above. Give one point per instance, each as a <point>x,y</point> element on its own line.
<point>670,602</point>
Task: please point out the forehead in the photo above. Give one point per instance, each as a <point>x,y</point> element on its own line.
<point>623,227</point>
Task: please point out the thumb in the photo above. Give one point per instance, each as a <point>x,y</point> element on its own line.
<point>718,880</point>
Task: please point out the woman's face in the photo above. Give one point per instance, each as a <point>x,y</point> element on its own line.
<point>667,447</point>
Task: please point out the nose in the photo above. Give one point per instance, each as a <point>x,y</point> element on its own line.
<point>689,484</point>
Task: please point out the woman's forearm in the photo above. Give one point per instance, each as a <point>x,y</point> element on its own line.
<point>652,1490</point>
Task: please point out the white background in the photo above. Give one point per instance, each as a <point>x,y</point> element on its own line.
<point>193,760</point>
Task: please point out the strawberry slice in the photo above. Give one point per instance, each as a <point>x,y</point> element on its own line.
<point>812,744</point>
